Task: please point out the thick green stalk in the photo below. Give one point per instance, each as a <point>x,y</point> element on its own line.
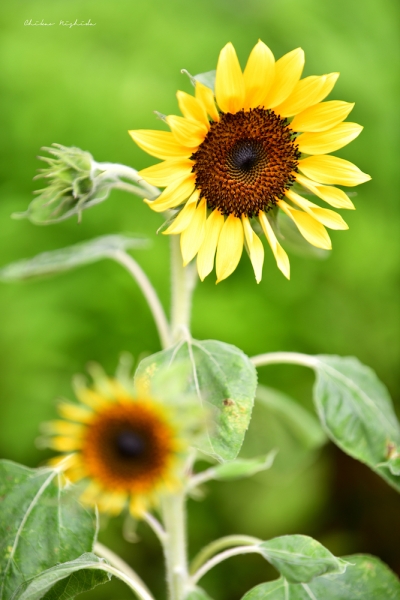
<point>183,280</point>
<point>174,517</point>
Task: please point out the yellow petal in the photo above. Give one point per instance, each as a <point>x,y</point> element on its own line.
<point>328,141</point>
<point>74,412</point>
<point>193,236</point>
<point>230,247</point>
<point>192,109</point>
<point>306,93</point>
<point>184,218</point>
<point>188,133</point>
<point>313,231</point>
<point>174,194</point>
<point>167,172</point>
<point>282,259</point>
<point>333,196</point>
<point>88,396</point>
<point>112,503</point>
<point>160,144</point>
<point>288,70</point>
<point>65,444</point>
<point>137,506</point>
<point>322,116</point>
<point>63,428</point>
<point>332,170</point>
<point>205,256</point>
<point>255,247</point>
<point>91,493</point>
<point>229,82</point>
<point>205,95</point>
<point>327,217</point>
<point>258,75</point>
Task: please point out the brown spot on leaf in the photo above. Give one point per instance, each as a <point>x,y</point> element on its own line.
<point>228,402</point>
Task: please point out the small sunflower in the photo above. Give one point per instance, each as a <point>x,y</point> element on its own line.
<point>128,447</point>
<point>255,146</point>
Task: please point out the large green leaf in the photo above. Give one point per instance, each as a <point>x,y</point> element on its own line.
<point>356,411</point>
<point>71,257</point>
<point>221,376</point>
<point>366,578</point>
<point>65,580</point>
<point>41,524</point>
<point>299,558</point>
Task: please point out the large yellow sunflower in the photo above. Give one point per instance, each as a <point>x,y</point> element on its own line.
<point>256,145</point>
<point>127,447</point>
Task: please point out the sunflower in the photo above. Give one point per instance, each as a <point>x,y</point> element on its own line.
<point>127,447</point>
<point>251,149</point>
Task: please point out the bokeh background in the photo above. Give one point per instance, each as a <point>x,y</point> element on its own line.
<point>86,86</point>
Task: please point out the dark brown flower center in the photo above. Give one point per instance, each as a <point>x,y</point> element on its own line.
<point>246,162</point>
<point>127,446</point>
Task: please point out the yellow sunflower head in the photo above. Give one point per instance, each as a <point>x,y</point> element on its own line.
<point>254,146</point>
<point>125,445</point>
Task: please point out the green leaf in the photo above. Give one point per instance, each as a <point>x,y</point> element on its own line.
<point>366,578</point>
<point>66,580</point>
<point>221,376</point>
<point>41,524</point>
<point>241,467</point>
<point>357,413</point>
<point>299,558</point>
<point>207,79</point>
<point>302,424</point>
<point>68,258</point>
<point>198,594</point>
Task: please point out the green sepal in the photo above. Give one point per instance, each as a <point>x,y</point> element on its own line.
<point>65,259</point>
<point>223,380</point>
<point>73,184</point>
<point>65,580</point>
<point>366,578</point>
<point>207,79</point>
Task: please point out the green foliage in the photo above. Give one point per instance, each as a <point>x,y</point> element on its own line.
<point>65,580</point>
<point>240,468</point>
<point>222,378</point>
<point>303,425</point>
<point>299,558</point>
<point>356,412</point>
<point>366,578</point>
<point>41,524</point>
<point>57,261</point>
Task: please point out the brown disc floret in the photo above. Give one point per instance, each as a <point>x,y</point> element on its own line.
<point>246,162</point>
<point>128,447</point>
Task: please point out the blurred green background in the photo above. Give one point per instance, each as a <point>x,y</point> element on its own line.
<point>86,86</point>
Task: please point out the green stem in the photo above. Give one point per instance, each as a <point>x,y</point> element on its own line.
<point>253,548</point>
<point>149,293</point>
<point>293,358</point>
<point>174,516</point>
<point>183,281</point>
<point>117,563</point>
<point>220,544</point>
